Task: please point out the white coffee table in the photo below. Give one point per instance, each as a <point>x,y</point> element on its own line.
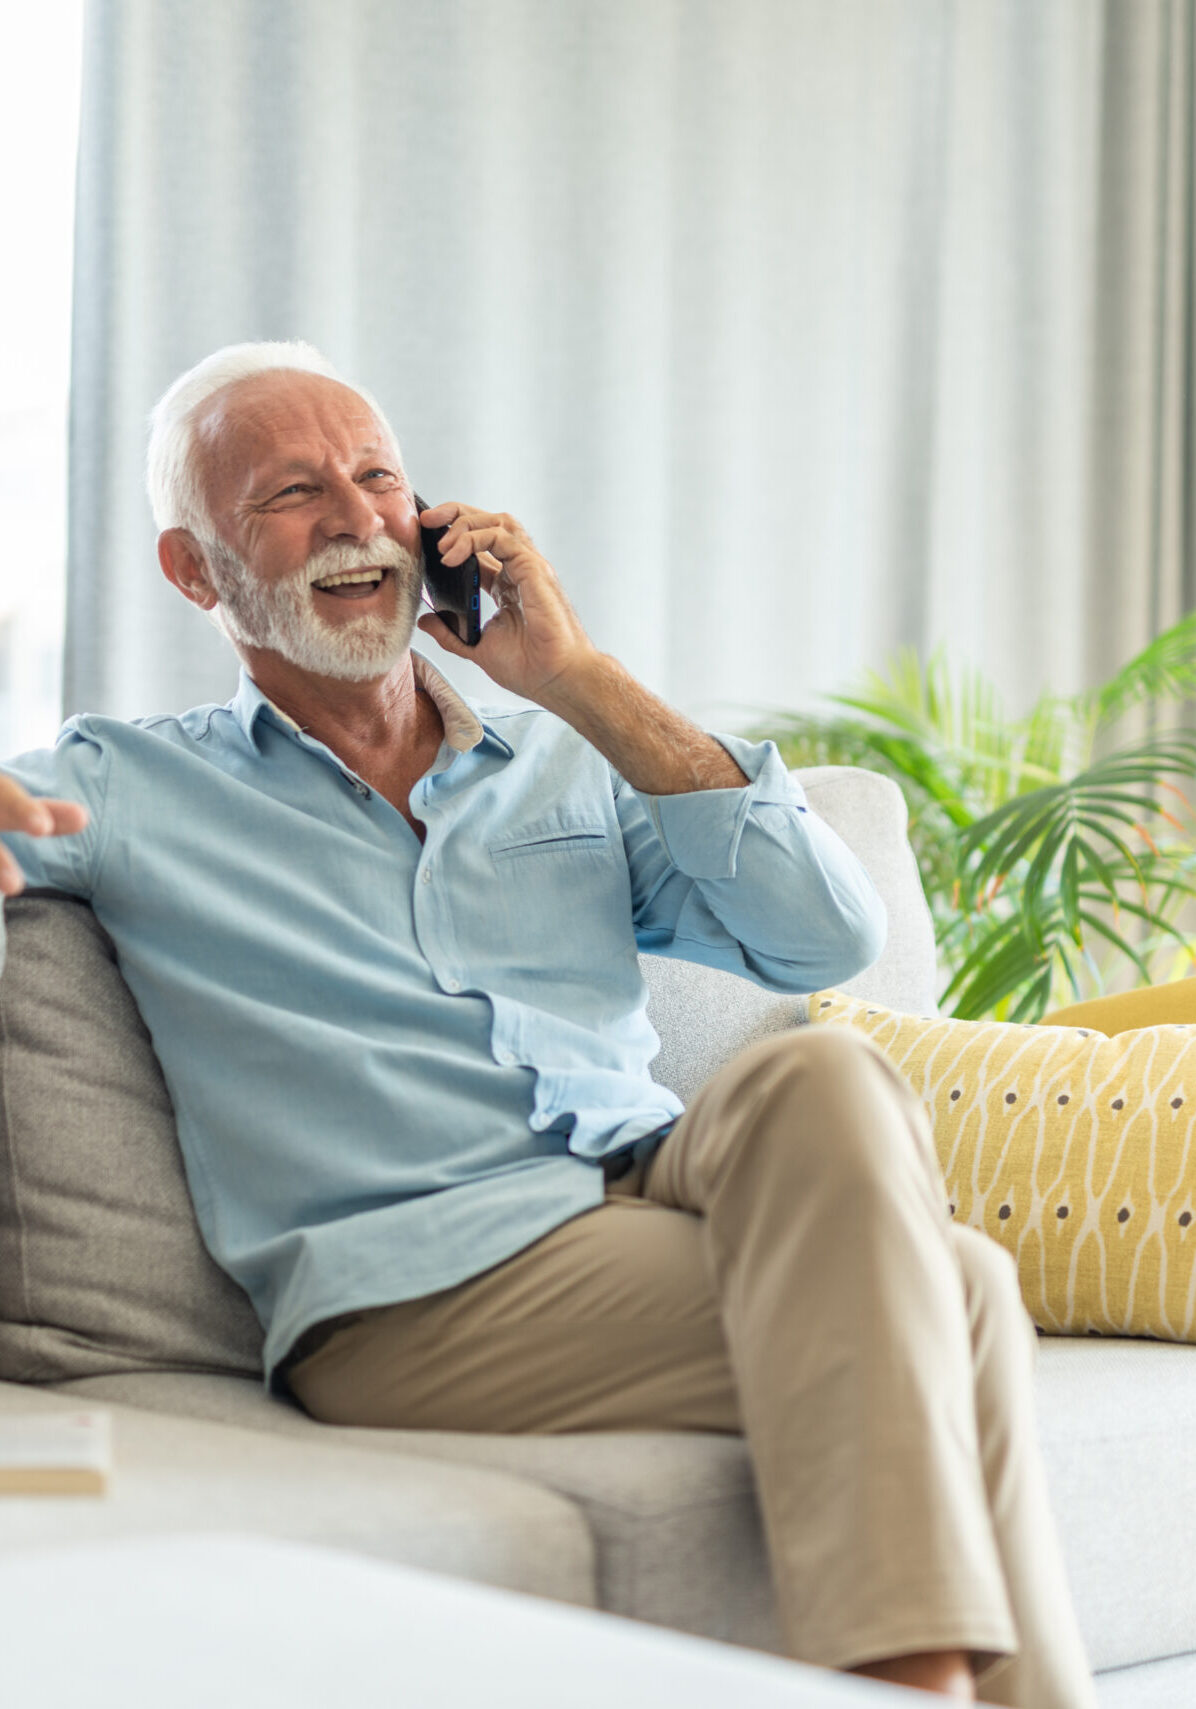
<point>208,1621</point>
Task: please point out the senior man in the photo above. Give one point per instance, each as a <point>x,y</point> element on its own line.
<point>385,942</point>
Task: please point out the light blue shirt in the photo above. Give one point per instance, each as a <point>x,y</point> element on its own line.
<point>393,1065</point>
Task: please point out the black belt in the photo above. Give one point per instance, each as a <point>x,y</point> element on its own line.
<point>617,1164</point>
<point>313,1339</point>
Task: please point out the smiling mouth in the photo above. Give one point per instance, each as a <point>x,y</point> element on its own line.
<point>352,584</point>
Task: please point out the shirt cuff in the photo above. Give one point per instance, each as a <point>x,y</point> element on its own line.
<point>701,829</point>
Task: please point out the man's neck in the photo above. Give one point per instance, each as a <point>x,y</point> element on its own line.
<point>383,716</point>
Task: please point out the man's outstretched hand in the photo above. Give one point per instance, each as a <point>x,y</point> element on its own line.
<point>32,817</point>
<point>534,644</point>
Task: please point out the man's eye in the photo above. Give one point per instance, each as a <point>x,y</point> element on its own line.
<point>378,474</point>
<point>295,487</point>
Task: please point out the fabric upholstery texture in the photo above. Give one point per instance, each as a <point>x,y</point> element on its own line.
<point>677,1530</point>
<point>674,1516</point>
<point>705,1017</point>
<point>1115,1426</point>
<point>1077,1153</point>
<point>101,1262</point>
<point>187,1474</point>
<point>869,813</point>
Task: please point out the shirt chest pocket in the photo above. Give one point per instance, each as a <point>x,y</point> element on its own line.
<point>551,841</point>
<point>560,907</point>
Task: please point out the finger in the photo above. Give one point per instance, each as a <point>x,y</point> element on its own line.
<point>464,538</point>
<point>69,817</point>
<point>19,811</point>
<point>12,879</point>
<point>438,515</point>
<point>459,528</point>
<point>469,518</point>
<point>51,818</point>
<point>440,632</point>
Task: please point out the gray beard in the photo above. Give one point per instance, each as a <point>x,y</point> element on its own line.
<point>282,617</point>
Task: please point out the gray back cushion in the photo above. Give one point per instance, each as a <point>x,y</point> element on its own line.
<point>705,1017</point>
<point>102,1268</point>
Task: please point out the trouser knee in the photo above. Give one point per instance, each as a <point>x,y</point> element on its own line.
<point>992,1289</point>
<point>828,1096</point>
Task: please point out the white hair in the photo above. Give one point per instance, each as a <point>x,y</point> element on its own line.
<point>172,474</point>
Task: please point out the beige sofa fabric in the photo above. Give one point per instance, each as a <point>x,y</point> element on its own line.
<point>186,1474</point>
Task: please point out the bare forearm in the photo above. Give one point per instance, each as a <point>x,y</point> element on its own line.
<point>649,743</point>
<point>535,646</point>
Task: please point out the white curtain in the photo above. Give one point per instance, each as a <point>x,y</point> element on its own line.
<point>792,329</point>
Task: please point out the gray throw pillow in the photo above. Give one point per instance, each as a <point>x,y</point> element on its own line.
<point>102,1267</point>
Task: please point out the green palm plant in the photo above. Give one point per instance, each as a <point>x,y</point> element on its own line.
<point>1057,857</point>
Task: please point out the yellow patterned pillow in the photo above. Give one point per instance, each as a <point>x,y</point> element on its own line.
<point>1075,1151</point>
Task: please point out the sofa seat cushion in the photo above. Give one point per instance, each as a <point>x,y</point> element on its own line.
<point>1116,1424</point>
<point>175,1474</point>
<point>676,1526</point>
<point>674,1518</point>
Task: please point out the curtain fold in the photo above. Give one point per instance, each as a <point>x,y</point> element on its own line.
<point>793,331</point>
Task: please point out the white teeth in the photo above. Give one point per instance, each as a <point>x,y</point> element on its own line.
<point>349,576</point>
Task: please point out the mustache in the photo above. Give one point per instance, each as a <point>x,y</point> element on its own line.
<point>344,555</point>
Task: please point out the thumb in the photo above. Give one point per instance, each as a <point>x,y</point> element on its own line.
<point>440,632</point>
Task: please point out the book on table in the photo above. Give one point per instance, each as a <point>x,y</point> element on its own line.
<point>55,1453</point>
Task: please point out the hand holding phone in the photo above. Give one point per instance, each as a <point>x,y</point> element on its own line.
<point>455,589</point>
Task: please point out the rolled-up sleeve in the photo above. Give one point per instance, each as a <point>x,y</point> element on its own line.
<point>749,879</point>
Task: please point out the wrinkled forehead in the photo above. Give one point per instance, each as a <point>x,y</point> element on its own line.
<point>280,417</point>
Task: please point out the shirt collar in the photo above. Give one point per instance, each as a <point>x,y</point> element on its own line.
<point>463,729</point>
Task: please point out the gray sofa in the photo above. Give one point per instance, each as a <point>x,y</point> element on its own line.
<point>108,1296</point>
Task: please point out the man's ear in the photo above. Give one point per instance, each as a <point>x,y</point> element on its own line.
<point>184,564</point>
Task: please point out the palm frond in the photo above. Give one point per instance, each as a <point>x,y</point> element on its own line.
<point>1045,868</point>
<point>1163,670</point>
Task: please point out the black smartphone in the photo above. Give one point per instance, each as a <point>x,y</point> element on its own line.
<point>455,589</point>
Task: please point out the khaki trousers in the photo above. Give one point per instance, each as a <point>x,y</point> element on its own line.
<point>785,1266</point>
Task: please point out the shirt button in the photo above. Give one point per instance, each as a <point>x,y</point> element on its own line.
<point>452,984</point>
<point>507,1057</point>
<point>539,1122</point>
<point>359,786</point>
<point>426,875</point>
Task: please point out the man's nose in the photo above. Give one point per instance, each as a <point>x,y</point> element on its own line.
<point>349,513</point>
